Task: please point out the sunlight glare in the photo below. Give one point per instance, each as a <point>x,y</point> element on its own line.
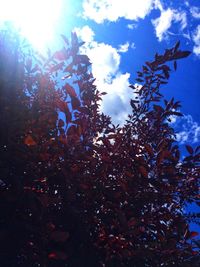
<point>37,20</point>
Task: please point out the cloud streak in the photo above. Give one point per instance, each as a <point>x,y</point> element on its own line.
<point>167,17</point>
<point>112,10</point>
<point>187,130</point>
<point>101,11</point>
<point>196,39</point>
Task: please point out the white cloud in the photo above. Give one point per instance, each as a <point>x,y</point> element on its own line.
<point>196,39</point>
<point>105,61</point>
<point>117,101</point>
<point>105,68</point>
<point>133,46</point>
<point>131,26</point>
<point>182,18</point>
<point>112,10</point>
<point>190,130</point>
<point>123,48</point>
<point>85,33</point>
<point>164,22</point>
<point>195,12</point>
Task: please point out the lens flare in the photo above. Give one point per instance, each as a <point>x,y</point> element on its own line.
<point>37,20</point>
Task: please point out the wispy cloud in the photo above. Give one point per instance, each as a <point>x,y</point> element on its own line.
<point>131,26</point>
<point>195,12</point>
<point>187,129</point>
<point>112,10</point>
<point>105,68</point>
<point>163,23</point>
<point>86,33</point>
<point>123,48</point>
<point>196,39</point>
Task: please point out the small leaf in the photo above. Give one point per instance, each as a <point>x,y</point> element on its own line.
<point>149,149</point>
<point>158,108</point>
<point>139,80</point>
<point>132,86</point>
<point>65,39</point>
<point>176,46</point>
<point>75,102</point>
<point>50,226</point>
<point>177,113</point>
<point>189,149</point>
<point>56,67</point>
<point>70,90</point>
<point>60,55</point>
<point>175,65</point>
<point>143,171</point>
<point>133,103</point>
<point>132,222</point>
<point>81,59</point>
<point>29,141</point>
<point>59,236</point>
<point>61,123</point>
<point>181,54</point>
<point>197,149</point>
<point>193,234</point>
<point>57,255</point>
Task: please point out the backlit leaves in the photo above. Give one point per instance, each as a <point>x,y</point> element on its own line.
<point>84,192</point>
<point>70,90</point>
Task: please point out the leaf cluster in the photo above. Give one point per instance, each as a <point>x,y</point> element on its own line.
<point>77,190</point>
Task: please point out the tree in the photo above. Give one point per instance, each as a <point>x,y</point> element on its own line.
<point>77,190</point>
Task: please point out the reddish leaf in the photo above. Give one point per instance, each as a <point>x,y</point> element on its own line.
<point>75,103</point>
<point>189,149</point>
<point>181,54</point>
<point>175,65</point>
<point>29,141</point>
<point>56,67</point>
<point>51,226</point>
<point>70,90</point>
<point>61,123</point>
<point>59,236</point>
<point>193,234</point>
<point>149,149</point>
<point>132,222</point>
<point>57,255</point>
<point>60,55</point>
<point>158,108</point>
<point>143,171</point>
<point>81,59</point>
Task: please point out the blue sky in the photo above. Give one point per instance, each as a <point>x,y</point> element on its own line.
<point>120,35</point>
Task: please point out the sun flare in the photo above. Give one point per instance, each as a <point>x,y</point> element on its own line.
<point>37,20</point>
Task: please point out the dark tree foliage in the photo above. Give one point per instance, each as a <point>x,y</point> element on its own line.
<point>78,191</point>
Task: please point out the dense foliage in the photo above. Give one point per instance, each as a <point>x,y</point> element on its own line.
<point>78,191</point>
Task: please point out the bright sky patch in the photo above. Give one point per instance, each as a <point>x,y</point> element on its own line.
<point>36,19</point>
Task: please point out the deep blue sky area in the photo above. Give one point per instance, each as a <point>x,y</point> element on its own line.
<point>145,31</point>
